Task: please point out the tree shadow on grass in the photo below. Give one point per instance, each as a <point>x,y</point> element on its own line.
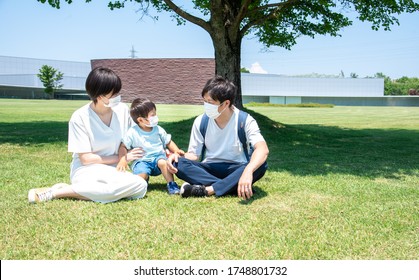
<point>258,193</point>
<point>156,187</point>
<point>312,149</point>
<point>25,133</point>
<point>302,150</point>
<point>320,150</point>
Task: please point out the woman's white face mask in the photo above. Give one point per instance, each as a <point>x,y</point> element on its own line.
<point>212,110</point>
<point>112,102</point>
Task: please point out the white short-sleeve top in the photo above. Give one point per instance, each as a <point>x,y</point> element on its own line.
<point>223,144</point>
<point>88,134</point>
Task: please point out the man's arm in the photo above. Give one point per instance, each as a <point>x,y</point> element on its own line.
<point>259,156</point>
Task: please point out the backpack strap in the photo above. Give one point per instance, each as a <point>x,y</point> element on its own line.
<point>240,131</point>
<point>203,129</point>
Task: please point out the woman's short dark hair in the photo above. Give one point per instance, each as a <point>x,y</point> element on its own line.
<point>220,89</point>
<point>102,81</point>
<point>140,107</point>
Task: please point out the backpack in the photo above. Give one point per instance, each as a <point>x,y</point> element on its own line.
<point>240,131</point>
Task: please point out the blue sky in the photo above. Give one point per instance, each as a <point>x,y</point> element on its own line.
<point>84,31</point>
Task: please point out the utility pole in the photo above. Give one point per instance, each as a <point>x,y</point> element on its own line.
<point>132,51</point>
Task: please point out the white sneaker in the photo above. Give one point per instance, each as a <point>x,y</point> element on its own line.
<point>40,195</point>
<point>44,194</point>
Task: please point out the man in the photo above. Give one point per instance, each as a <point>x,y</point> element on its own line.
<point>225,168</point>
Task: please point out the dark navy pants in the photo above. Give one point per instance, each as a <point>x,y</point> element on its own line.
<point>223,177</point>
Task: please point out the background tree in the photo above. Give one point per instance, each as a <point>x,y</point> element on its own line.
<point>401,86</point>
<point>244,70</point>
<point>51,79</point>
<point>274,23</point>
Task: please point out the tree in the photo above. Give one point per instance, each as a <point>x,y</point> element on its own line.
<point>274,23</point>
<point>353,75</point>
<point>244,70</point>
<point>51,79</point>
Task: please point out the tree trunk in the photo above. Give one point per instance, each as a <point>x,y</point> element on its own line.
<point>227,64</point>
<point>227,46</point>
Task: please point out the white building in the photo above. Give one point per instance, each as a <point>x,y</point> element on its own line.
<point>18,79</point>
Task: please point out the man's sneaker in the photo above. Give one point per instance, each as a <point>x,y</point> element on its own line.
<point>172,188</point>
<point>40,195</point>
<point>188,190</point>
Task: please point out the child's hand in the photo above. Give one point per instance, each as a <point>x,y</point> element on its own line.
<point>181,152</point>
<point>122,166</point>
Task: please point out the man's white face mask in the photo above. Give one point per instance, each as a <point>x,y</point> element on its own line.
<point>212,110</point>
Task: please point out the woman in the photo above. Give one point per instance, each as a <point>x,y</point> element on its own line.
<point>95,134</point>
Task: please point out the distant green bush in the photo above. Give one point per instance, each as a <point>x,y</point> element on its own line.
<point>304,105</point>
<point>401,86</point>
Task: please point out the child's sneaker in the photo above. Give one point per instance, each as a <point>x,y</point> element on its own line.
<point>40,195</point>
<point>188,190</point>
<point>172,188</point>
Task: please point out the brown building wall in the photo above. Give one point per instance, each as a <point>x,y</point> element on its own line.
<point>170,81</point>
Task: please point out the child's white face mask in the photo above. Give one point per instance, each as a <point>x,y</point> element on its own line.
<point>154,120</point>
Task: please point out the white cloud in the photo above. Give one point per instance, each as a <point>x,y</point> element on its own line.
<point>257,68</point>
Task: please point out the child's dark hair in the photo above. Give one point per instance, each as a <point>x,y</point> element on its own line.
<point>220,89</point>
<point>140,107</point>
<point>102,81</point>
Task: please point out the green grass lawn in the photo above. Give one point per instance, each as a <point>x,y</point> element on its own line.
<point>343,184</point>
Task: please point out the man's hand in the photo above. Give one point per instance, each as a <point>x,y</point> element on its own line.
<point>170,160</point>
<point>244,187</point>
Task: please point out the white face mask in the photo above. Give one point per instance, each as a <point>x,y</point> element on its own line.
<point>154,120</point>
<point>112,102</point>
<point>212,110</point>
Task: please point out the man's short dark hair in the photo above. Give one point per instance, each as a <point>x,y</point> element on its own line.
<point>220,89</point>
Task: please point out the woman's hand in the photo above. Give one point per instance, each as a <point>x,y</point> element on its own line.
<point>122,165</point>
<point>135,154</point>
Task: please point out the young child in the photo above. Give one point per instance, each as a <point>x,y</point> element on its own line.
<point>153,141</point>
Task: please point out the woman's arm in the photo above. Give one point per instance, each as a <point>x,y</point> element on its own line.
<point>122,155</point>
<point>92,158</point>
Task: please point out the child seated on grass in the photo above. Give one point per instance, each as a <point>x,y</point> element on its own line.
<point>153,140</point>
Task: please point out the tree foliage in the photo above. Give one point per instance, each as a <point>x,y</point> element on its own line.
<point>401,86</point>
<point>51,79</point>
<point>273,23</point>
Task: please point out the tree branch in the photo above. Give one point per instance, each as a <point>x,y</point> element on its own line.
<point>243,11</point>
<point>277,5</point>
<point>272,14</point>
<point>189,17</point>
